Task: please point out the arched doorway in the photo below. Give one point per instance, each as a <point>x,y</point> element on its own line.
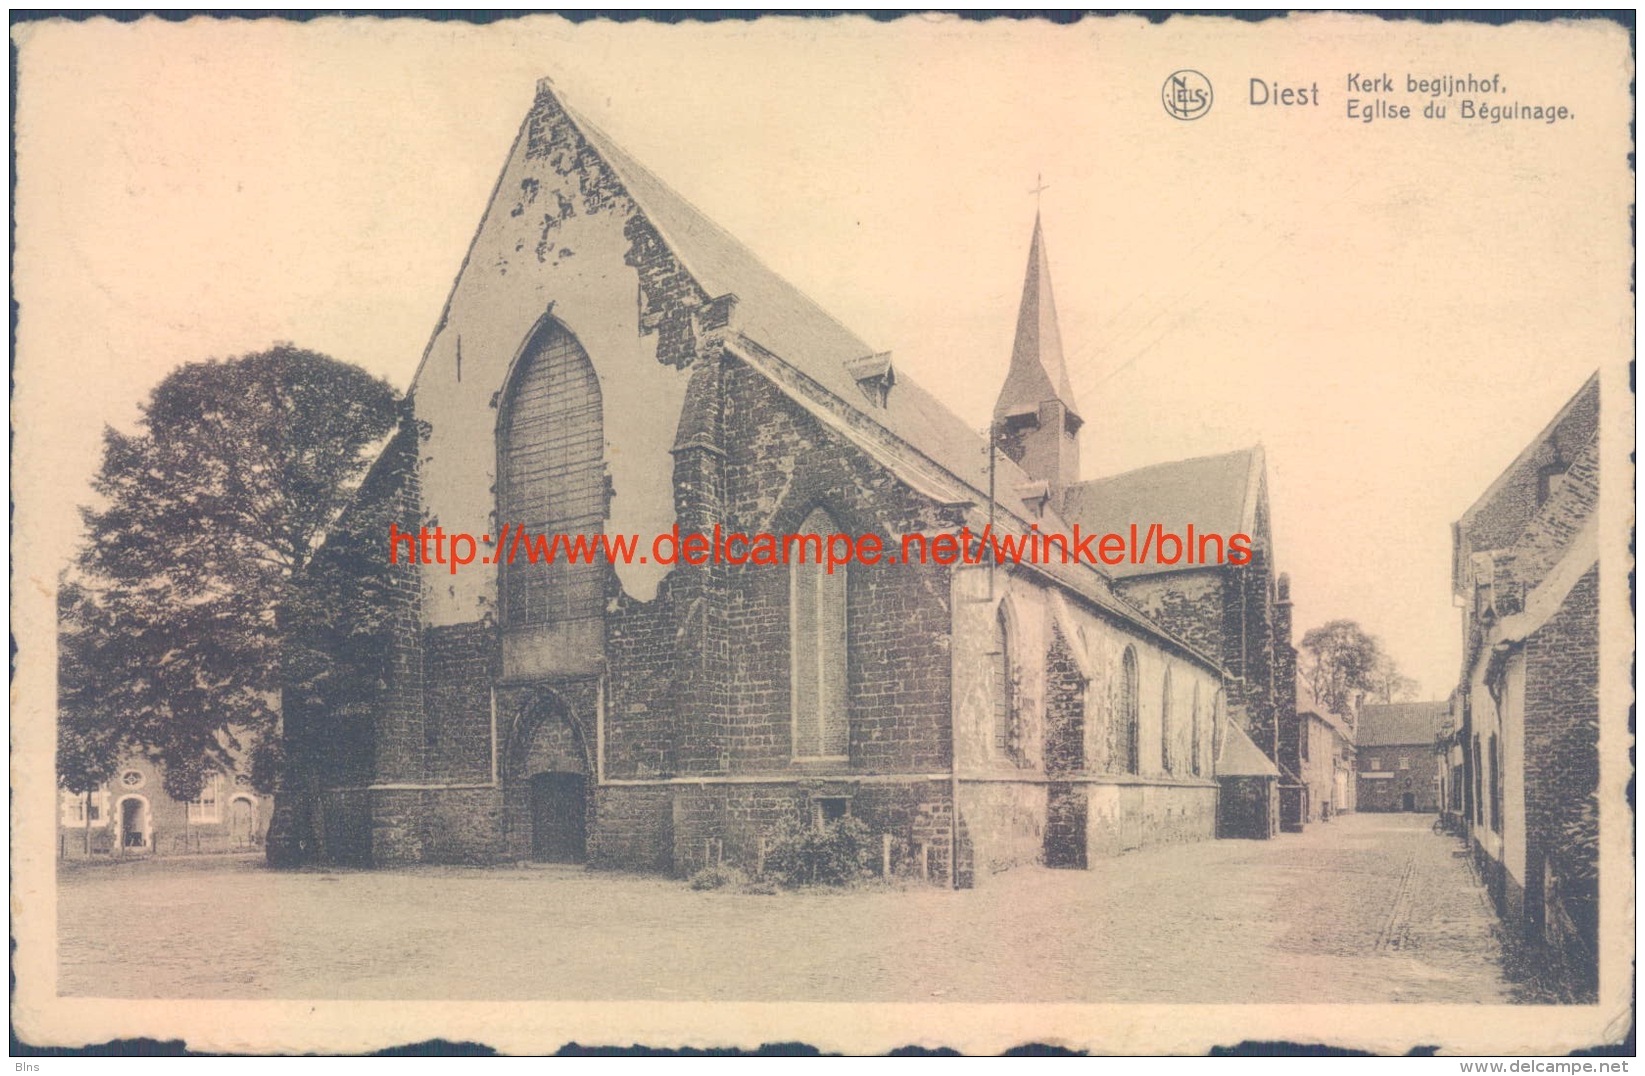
<point>242,822</point>
<point>553,770</point>
<point>134,825</point>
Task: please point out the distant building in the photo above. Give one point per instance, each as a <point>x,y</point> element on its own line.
<point>1398,760</point>
<point>1453,768</point>
<point>1325,759</point>
<point>132,815</point>
<point>1525,573</point>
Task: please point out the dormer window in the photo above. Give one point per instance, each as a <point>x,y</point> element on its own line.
<point>1035,496</point>
<point>875,376</point>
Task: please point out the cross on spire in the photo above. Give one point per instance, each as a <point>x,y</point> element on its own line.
<point>1039,188</point>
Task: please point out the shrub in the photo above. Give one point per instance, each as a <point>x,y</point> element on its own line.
<point>835,853</point>
<point>717,876</point>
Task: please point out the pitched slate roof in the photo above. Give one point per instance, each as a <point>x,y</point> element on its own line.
<point>780,319</point>
<point>1038,372</point>
<point>1217,494</point>
<point>1386,724</point>
<point>1242,758</point>
<point>786,322</point>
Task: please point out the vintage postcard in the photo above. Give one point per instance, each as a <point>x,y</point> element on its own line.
<point>1107,532</point>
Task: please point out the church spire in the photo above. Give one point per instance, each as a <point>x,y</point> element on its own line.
<point>1035,416</point>
<point>1037,371</point>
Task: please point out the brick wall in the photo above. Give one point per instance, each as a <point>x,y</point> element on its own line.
<point>1388,793</point>
<point>781,463</point>
<point>1247,808</point>
<point>1064,708</point>
<point>1562,778</point>
<point>1188,604</point>
<point>460,663</point>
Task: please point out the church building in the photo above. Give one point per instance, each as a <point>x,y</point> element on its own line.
<point>610,361</point>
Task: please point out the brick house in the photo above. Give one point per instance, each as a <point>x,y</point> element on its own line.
<point>1399,761</point>
<point>610,361</point>
<point>1525,573</point>
<point>133,815</point>
<point>1240,614</point>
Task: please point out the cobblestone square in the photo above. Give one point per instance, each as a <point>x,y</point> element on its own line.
<point>1367,908</point>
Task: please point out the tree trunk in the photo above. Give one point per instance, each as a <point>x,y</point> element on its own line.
<point>287,844</point>
<point>87,795</point>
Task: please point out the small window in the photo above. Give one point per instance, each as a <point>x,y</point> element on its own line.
<point>132,780</point>
<point>208,807</point>
<point>1404,762</point>
<point>1376,764</point>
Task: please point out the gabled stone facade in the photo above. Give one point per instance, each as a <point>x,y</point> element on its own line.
<point>973,717</point>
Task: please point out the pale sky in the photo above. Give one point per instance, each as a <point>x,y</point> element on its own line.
<point>1393,310</point>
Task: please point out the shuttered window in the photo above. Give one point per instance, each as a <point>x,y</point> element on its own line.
<point>553,481</point>
<point>818,651</point>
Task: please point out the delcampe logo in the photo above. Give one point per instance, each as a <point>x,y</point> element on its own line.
<point>1186,94</point>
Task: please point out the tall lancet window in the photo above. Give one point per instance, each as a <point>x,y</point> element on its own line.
<point>1196,746</point>
<point>1127,734</point>
<point>1167,764</point>
<point>1003,690</point>
<point>552,480</point>
<point>822,726</point>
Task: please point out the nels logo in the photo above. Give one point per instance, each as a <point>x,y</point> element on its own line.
<point>1186,94</point>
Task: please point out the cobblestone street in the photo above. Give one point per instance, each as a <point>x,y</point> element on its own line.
<point>1367,908</point>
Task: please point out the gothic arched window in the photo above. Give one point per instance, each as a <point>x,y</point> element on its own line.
<point>1002,689</point>
<point>1167,764</point>
<point>818,651</point>
<point>1130,748</point>
<point>1218,727</point>
<point>551,481</point>
<point>1196,745</point>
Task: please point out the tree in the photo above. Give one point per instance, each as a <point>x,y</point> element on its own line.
<point>1388,684</point>
<point>1341,662</point>
<point>212,513</point>
<point>89,739</point>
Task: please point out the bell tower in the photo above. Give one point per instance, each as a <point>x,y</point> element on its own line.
<point>1035,419</point>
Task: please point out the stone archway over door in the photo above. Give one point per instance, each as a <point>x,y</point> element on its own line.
<point>242,822</point>
<point>134,825</point>
<point>554,773</point>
